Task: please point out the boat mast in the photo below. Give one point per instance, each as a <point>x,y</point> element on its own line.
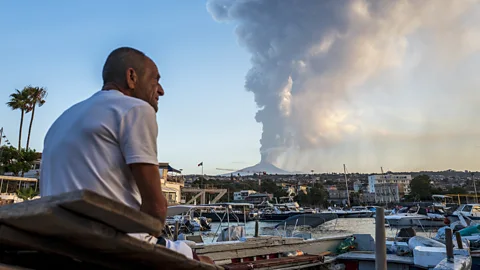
<point>346,184</point>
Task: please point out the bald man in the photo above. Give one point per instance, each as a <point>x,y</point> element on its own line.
<point>108,142</point>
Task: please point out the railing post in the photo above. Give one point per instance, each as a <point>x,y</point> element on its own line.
<point>380,240</point>
<point>449,244</point>
<point>459,240</point>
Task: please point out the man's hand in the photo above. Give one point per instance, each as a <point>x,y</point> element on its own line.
<point>147,177</point>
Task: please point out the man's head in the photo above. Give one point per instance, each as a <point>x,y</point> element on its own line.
<point>134,74</point>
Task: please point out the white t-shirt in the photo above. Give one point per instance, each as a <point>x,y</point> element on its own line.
<point>91,144</point>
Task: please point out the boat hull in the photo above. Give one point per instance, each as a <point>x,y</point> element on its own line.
<point>312,220</point>
<point>454,218</point>
<point>415,222</point>
<point>278,217</point>
<point>256,247</point>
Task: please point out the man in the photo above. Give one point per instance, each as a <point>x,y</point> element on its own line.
<point>108,142</point>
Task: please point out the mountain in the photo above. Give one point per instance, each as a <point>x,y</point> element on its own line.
<point>259,168</point>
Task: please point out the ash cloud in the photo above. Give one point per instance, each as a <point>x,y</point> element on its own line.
<point>316,65</point>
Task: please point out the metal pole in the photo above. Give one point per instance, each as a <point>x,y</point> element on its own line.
<point>475,187</point>
<point>380,240</point>
<point>256,228</point>
<point>346,184</point>
<point>201,183</point>
<point>449,244</point>
<point>175,233</point>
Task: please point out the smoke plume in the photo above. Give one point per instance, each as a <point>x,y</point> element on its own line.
<point>325,72</point>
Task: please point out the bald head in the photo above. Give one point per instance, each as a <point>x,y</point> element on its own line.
<point>131,72</point>
<point>119,61</point>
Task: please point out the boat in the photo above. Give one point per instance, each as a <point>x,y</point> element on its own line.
<point>373,209</point>
<point>354,212</point>
<point>280,212</point>
<point>230,247</point>
<point>310,220</point>
<point>410,253</point>
<point>416,216</point>
<point>470,210</point>
<point>184,217</point>
<point>218,212</point>
<point>251,249</point>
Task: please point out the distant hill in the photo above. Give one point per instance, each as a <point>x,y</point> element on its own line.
<point>259,168</point>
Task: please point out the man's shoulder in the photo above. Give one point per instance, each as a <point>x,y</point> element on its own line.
<point>113,98</point>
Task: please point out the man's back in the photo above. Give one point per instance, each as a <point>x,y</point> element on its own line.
<point>90,145</point>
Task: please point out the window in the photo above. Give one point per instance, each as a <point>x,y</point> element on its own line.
<point>467,208</point>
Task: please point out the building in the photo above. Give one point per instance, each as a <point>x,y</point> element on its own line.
<point>172,183</point>
<point>387,193</point>
<point>258,198</point>
<point>337,197</point>
<point>357,185</point>
<point>368,197</point>
<point>242,195</point>
<point>402,180</point>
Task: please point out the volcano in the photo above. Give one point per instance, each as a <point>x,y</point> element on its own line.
<point>259,169</point>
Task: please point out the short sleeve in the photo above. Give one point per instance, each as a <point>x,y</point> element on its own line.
<point>138,135</point>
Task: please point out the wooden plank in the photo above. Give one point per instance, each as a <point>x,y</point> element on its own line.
<point>94,206</point>
<point>96,237</point>
<point>10,237</point>
<point>11,267</point>
<point>275,262</point>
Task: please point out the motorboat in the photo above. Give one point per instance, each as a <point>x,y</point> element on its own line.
<point>471,210</point>
<point>417,216</point>
<point>354,212</point>
<point>183,216</point>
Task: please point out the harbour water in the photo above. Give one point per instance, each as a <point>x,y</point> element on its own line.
<point>339,226</point>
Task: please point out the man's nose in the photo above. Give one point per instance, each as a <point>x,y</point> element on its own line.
<point>160,90</point>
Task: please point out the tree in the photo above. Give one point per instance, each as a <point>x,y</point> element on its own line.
<point>316,196</point>
<point>457,190</point>
<point>36,96</point>
<point>420,188</point>
<point>14,161</point>
<point>26,193</point>
<point>19,101</point>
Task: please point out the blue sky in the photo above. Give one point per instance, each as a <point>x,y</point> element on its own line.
<point>205,114</point>
<point>413,104</point>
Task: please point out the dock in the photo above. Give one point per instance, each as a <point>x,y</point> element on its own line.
<point>82,230</point>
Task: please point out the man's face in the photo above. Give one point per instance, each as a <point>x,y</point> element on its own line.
<point>148,86</point>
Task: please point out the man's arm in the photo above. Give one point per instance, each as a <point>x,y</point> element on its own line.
<point>147,178</point>
<point>138,142</point>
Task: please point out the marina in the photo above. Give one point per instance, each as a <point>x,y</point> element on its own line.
<point>94,230</point>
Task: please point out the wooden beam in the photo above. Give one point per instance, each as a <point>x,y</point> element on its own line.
<point>92,205</point>
<point>98,238</point>
<point>10,237</point>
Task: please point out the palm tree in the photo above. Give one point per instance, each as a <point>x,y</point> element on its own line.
<point>19,101</point>
<point>36,96</point>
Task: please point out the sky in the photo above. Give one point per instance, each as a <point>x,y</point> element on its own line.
<point>205,114</point>
<point>416,115</point>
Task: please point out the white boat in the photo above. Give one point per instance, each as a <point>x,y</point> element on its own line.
<point>418,253</point>
<point>416,216</point>
<point>354,212</point>
<point>470,211</point>
<point>233,246</point>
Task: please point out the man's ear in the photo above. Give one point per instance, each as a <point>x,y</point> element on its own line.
<point>131,78</point>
